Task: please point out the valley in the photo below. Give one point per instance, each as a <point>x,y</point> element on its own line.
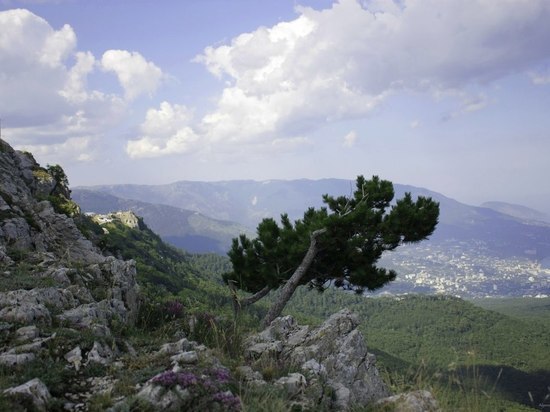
<point>475,251</point>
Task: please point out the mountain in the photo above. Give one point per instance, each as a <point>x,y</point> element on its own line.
<point>247,202</point>
<point>186,229</point>
<point>474,252</point>
<point>518,211</point>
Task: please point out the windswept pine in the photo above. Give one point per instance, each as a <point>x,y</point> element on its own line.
<point>337,245</point>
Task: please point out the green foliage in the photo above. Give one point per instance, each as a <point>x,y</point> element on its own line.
<point>530,309</point>
<point>358,229</point>
<point>90,229</point>
<point>58,174</point>
<point>265,398</point>
<point>159,265</point>
<point>23,276</point>
<point>449,345</point>
<point>64,206</point>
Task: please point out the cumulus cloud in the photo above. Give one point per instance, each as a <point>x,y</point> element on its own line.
<point>165,131</point>
<point>350,139</point>
<point>341,62</point>
<point>81,149</point>
<point>46,102</point>
<point>136,75</point>
<point>31,69</point>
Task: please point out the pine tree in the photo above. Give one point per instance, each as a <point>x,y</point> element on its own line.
<point>336,245</point>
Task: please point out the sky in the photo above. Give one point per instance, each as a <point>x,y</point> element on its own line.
<point>449,95</point>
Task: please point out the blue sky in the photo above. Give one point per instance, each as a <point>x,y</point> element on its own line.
<point>453,96</point>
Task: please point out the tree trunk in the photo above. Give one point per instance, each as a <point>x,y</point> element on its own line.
<point>290,286</point>
<point>238,304</point>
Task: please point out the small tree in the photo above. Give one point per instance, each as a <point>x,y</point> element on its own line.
<point>61,185</point>
<point>339,245</point>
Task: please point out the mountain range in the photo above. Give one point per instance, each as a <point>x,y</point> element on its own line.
<point>186,211</point>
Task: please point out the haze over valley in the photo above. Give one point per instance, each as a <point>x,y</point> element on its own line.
<point>474,252</point>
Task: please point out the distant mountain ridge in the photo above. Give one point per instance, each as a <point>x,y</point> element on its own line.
<point>521,212</point>
<point>246,202</point>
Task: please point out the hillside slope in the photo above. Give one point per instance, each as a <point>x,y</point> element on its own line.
<point>186,229</point>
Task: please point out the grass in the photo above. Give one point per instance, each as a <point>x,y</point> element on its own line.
<point>457,388</point>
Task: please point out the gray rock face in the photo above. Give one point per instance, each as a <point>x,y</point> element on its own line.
<point>333,356</point>
<point>34,391</point>
<point>54,249</point>
<point>53,277</point>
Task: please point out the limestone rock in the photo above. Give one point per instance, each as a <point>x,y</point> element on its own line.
<point>250,376</point>
<point>15,359</point>
<point>27,333</point>
<point>294,383</point>
<point>101,354</point>
<point>74,357</point>
<point>333,357</point>
<point>26,313</point>
<point>417,401</point>
<point>95,316</point>
<point>163,399</point>
<point>34,391</point>
<point>188,357</point>
<point>172,348</point>
<point>31,306</point>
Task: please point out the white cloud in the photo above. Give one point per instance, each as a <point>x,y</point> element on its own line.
<point>350,139</point>
<point>45,100</point>
<point>75,89</point>
<point>80,149</point>
<point>165,131</point>
<point>341,62</point>
<point>468,102</point>
<point>136,75</point>
<point>290,144</point>
<point>540,77</point>
<point>31,70</point>
<point>415,124</point>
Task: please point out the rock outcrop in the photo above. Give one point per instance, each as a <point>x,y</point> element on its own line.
<point>40,245</point>
<point>52,278</point>
<point>334,369</point>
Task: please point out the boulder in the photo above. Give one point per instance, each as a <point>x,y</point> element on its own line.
<point>332,357</point>
<point>417,401</point>
<point>27,333</point>
<point>15,359</point>
<point>100,353</point>
<point>294,383</point>
<point>74,357</point>
<point>33,392</point>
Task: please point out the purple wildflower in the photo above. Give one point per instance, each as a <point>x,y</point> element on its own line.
<point>174,309</point>
<point>229,401</point>
<point>169,379</point>
<point>220,374</point>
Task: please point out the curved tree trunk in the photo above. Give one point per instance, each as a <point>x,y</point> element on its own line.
<point>238,304</point>
<point>290,286</point>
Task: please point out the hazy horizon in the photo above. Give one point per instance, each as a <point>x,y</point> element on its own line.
<point>448,96</point>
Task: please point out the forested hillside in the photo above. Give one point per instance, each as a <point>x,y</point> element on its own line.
<point>441,336</point>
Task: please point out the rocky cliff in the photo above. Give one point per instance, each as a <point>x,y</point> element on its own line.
<point>39,246</point>
<point>53,280</point>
